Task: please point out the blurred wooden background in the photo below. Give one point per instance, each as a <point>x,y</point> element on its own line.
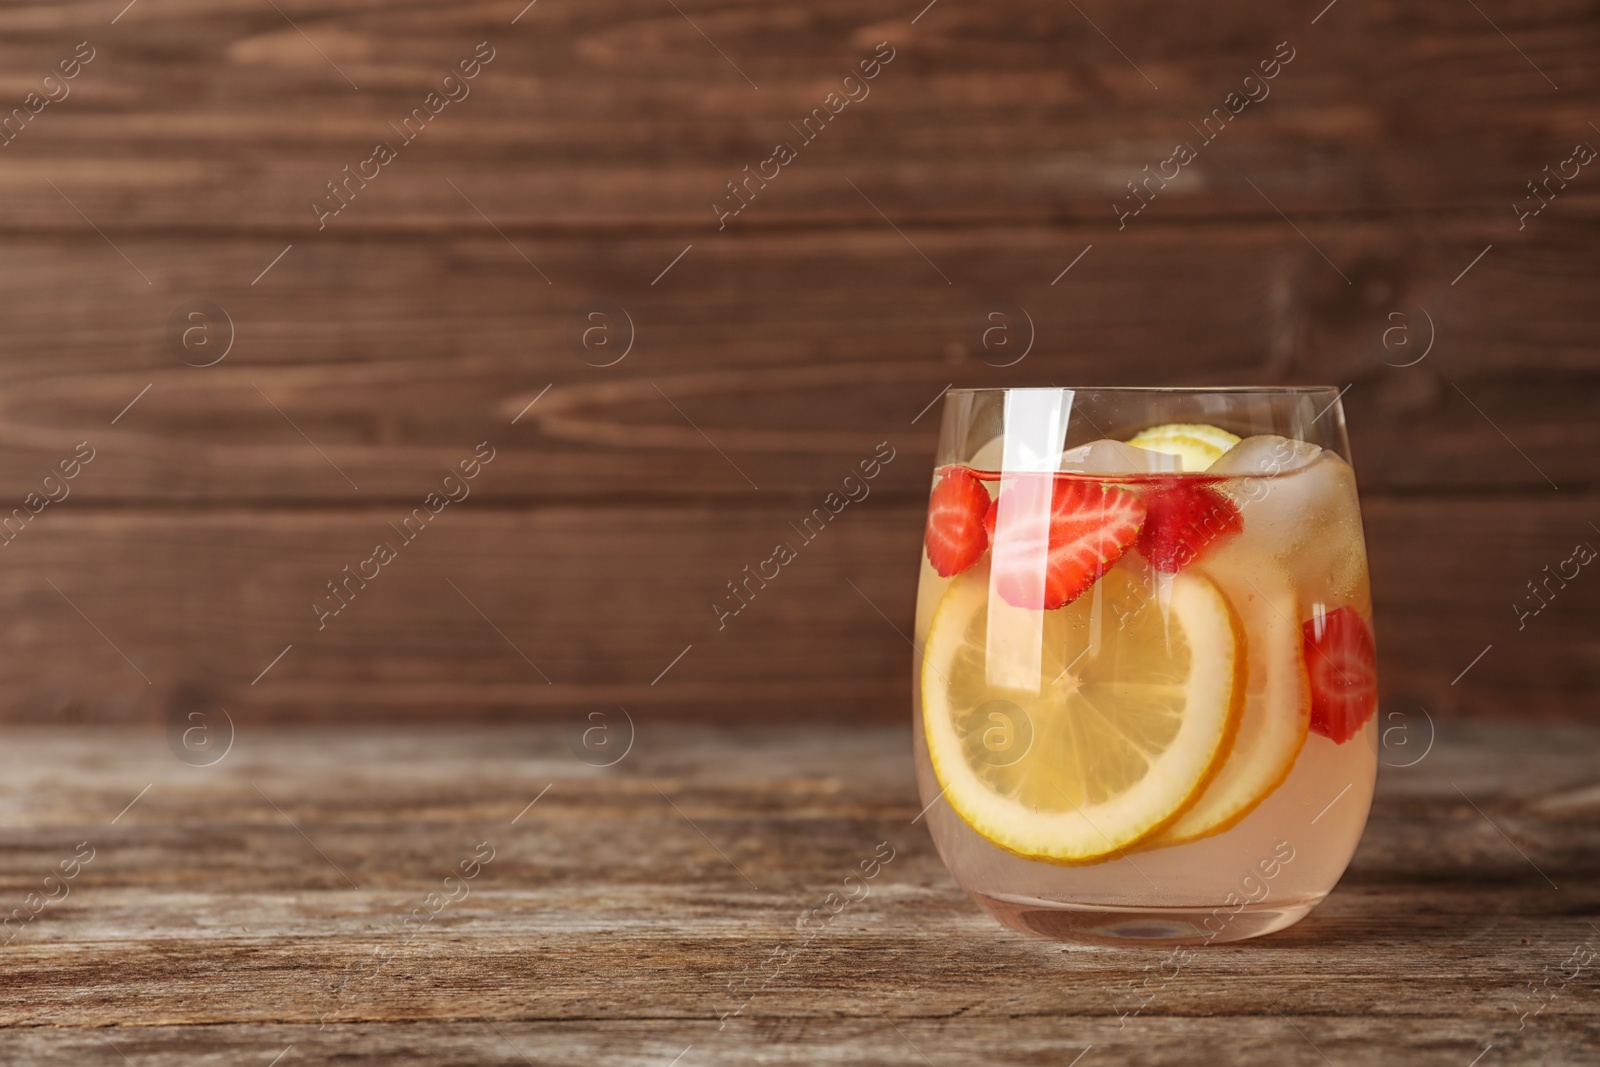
<point>372,355</point>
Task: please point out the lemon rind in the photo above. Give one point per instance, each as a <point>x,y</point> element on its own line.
<point>1239,811</point>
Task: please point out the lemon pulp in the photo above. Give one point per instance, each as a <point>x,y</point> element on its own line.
<point>1137,698</point>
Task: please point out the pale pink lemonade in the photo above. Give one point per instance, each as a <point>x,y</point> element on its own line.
<point>1296,559</point>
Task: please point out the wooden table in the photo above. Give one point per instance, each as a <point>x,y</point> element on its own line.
<point>254,907</point>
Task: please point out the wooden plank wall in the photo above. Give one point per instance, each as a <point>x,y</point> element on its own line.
<point>1355,215</point>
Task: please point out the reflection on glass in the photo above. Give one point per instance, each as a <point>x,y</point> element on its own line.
<point>1146,682</point>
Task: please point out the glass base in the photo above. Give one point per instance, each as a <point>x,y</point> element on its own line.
<point>1126,926</point>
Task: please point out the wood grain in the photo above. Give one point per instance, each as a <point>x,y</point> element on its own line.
<point>783,350</point>
<point>607,926</point>
<point>620,113</point>
<point>227,904</point>
<point>370,355</point>
<point>135,614</point>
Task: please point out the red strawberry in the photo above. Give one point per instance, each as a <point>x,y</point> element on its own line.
<point>1090,526</point>
<point>956,537</point>
<point>1344,673</point>
<point>1183,520</point>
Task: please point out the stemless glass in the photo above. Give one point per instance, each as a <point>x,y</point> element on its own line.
<point>1145,689</point>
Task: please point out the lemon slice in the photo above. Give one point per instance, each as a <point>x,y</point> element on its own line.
<point>1199,445</point>
<point>1137,698</point>
<point>1273,725</point>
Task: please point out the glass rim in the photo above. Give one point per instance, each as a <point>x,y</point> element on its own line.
<point>1243,390</point>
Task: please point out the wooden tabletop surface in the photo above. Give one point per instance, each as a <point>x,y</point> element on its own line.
<point>295,899</point>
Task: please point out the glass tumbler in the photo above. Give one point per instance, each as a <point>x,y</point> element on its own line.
<point>1145,687</point>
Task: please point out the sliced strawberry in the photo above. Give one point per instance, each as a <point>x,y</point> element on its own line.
<point>1343,665</point>
<point>956,537</point>
<point>1090,526</point>
<point>1183,520</point>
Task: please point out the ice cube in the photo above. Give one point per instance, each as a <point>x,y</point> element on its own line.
<point>1116,457</point>
<point>1265,455</point>
<point>1301,521</point>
